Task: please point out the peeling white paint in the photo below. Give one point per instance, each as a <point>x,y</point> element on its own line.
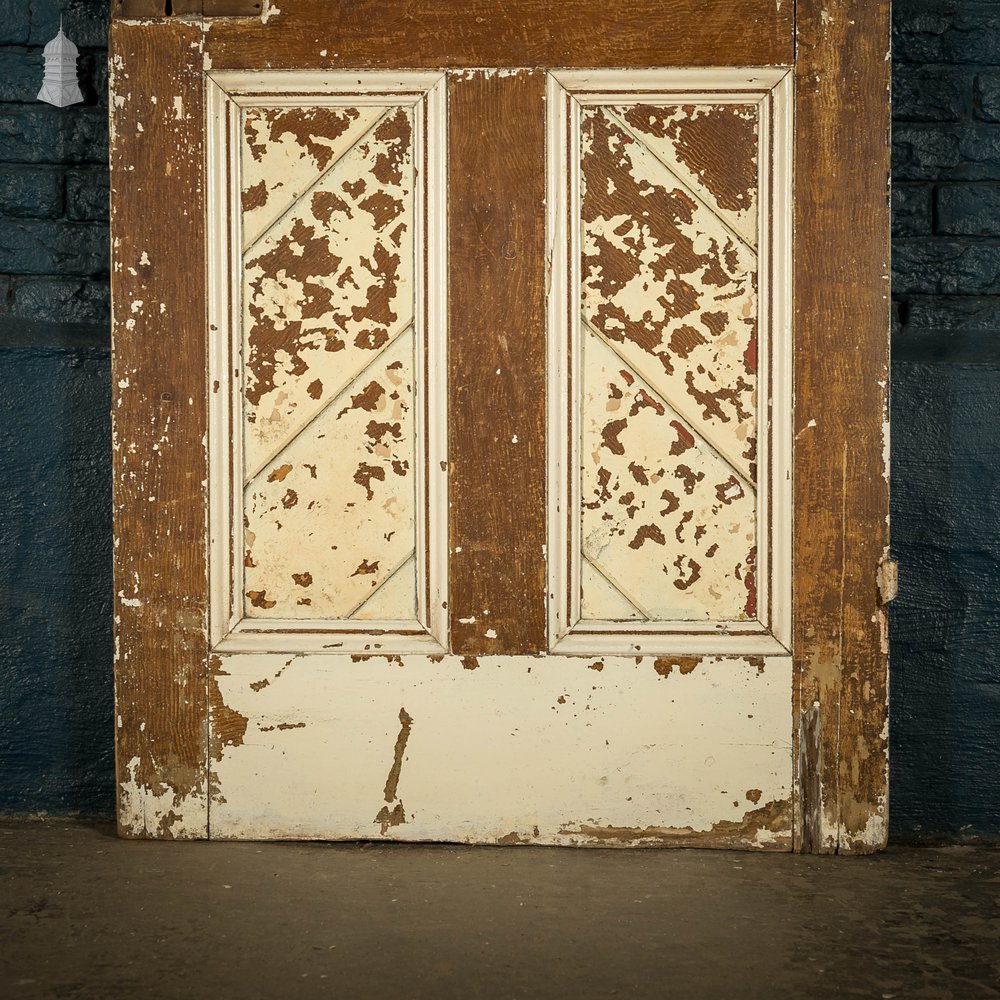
<point>493,749</point>
<point>162,812</point>
<point>270,10</point>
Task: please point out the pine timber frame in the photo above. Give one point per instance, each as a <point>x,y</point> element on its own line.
<point>839,48</point>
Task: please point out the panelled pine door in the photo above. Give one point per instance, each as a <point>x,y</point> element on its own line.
<point>500,398</point>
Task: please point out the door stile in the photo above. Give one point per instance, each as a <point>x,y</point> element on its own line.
<point>162,687</point>
<point>840,714</point>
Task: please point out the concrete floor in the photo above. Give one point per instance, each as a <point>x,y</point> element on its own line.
<point>84,915</point>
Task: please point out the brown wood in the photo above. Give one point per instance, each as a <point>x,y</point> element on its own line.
<point>158,369</point>
<point>138,8</point>
<point>231,8</point>
<point>497,274</point>
<point>497,362</point>
<point>208,8</point>
<point>841,374</point>
<point>457,33</point>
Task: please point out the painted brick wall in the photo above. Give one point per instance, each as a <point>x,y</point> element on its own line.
<point>55,580</point>
<point>56,714</point>
<point>945,689</point>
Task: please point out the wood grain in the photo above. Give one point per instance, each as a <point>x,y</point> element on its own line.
<point>159,424</point>
<point>454,33</point>
<point>497,362</point>
<point>841,374</point>
<point>208,8</point>
<point>138,8</point>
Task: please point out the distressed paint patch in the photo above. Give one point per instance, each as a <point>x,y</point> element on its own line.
<point>668,385</point>
<point>712,148</point>
<point>285,151</point>
<point>665,520</point>
<point>154,808</point>
<point>330,283</point>
<point>494,750</point>
<point>768,826</point>
<point>670,286</point>
<point>388,817</point>
<point>331,519</point>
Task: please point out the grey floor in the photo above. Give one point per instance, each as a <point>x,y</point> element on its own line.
<point>85,915</point>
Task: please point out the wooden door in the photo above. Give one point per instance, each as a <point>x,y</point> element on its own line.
<point>500,422</point>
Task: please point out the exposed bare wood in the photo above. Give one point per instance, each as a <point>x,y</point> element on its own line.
<point>497,362</point>
<point>232,8</point>
<point>180,8</point>
<point>563,741</point>
<point>841,374</point>
<point>455,33</point>
<point>139,8</point>
<point>158,302</point>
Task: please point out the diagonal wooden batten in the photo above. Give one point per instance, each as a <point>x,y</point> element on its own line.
<point>703,441</point>
<point>410,557</point>
<point>364,130</point>
<point>690,191</point>
<point>617,586</point>
<point>342,390</point>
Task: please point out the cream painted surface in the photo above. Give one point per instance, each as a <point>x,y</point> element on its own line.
<point>346,717</point>
<point>670,391</point>
<point>515,744</point>
<point>283,168</point>
<point>327,285</point>
<point>686,315</point>
<point>328,410</point>
<point>670,524</point>
<point>330,518</point>
<point>662,130</point>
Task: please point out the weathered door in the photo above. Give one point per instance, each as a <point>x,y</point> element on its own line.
<point>499,421</point>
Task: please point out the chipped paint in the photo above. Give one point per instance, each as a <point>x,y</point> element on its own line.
<point>271,10</point>
<point>153,808</point>
<point>329,382</point>
<point>668,416</point>
<point>388,817</point>
<point>523,745</point>
<point>768,826</point>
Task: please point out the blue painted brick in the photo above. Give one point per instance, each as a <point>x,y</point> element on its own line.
<point>36,246</point>
<point>93,74</point>
<point>946,152</point>
<point>946,32</point>
<point>34,22</point>
<point>56,647</point>
<point>947,328</point>
<point>911,210</point>
<point>87,194</point>
<point>945,624</point>
<point>967,210</point>
<point>59,300</point>
<point>28,192</point>
<point>85,21</point>
<point>988,96</point>
<point>930,95</point>
<point>949,266</point>
<point>20,75</point>
<point>43,134</point>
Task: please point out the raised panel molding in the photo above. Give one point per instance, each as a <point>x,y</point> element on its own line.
<point>327,401</point>
<point>669,396</point>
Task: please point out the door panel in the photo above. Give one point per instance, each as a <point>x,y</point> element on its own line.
<point>489,470</point>
<point>328,484</point>
<point>670,361</point>
<point>495,749</point>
